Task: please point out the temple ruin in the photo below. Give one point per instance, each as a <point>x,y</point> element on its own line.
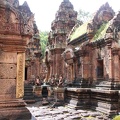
<point>82,61</point>
<point>65,19</point>
<point>89,62</point>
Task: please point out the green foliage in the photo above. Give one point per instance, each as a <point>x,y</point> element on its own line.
<point>84,16</point>
<point>43,41</point>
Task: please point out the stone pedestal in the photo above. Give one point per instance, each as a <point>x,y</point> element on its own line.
<point>105,101</point>
<point>59,94</point>
<point>14,110</point>
<point>78,97</point>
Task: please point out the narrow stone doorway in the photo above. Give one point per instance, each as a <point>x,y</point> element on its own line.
<point>26,73</point>
<point>100,69</point>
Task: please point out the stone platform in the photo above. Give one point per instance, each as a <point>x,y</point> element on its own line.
<point>40,112</point>
<point>105,101</point>
<point>78,97</point>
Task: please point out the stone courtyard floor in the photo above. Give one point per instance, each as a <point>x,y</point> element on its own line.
<point>40,112</point>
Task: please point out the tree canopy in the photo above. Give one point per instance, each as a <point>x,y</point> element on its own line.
<point>43,41</point>
<point>84,16</point>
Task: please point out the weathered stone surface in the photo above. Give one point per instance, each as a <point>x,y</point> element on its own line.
<point>8,71</point>
<point>8,57</point>
<point>65,19</point>
<point>78,97</point>
<point>15,30</point>
<point>46,112</point>
<point>7,87</point>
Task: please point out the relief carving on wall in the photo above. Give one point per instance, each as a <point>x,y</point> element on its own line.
<point>8,73</point>
<point>20,75</point>
<point>8,21</point>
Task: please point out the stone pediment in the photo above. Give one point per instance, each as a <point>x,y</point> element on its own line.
<point>104,14</point>
<point>8,21</point>
<point>15,20</point>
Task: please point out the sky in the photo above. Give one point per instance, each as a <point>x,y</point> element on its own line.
<point>45,10</point>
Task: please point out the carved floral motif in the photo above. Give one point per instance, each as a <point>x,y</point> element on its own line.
<point>20,75</point>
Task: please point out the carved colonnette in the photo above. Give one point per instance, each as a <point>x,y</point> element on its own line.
<point>20,75</point>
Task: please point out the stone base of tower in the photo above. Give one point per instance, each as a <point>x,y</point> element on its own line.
<point>14,110</point>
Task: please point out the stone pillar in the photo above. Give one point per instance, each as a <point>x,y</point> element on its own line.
<point>28,73</point>
<point>82,66</point>
<point>94,64</point>
<point>12,65</point>
<point>20,75</point>
<point>116,65</point>
<point>72,72</point>
<point>51,69</point>
<point>86,69</point>
<point>110,65</point>
<point>37,67</point>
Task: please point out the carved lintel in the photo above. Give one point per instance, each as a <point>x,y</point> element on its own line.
<point>20,75</point>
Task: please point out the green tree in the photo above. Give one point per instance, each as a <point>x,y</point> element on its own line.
<point>43,41</point>
<point>84,16</point>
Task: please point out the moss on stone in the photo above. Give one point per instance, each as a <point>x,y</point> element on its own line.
<point>79,31</point>
<point>100,33</point>
<point>117,117</point>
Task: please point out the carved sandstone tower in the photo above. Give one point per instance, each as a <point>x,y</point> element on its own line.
<point>33,54</point>
<point>16,28</point>
<point>65,19</point>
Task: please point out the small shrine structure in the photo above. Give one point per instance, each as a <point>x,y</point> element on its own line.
<point>65,19</point>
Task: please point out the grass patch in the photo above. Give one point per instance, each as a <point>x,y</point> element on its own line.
<point>79,31</point>
<point>117,117</point>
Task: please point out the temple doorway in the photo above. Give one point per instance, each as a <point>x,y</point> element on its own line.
<point>100,69</point>
<point>26,73</point>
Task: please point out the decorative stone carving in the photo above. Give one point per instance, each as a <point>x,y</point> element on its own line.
<point>65,19</point>
<point>7,87</point>
<point>8,71</point>
<point>8,57</point>
<point>103,15</point>
<point>20,75</point>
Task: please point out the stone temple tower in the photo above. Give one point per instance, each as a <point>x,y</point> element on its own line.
<point>65,19</point>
